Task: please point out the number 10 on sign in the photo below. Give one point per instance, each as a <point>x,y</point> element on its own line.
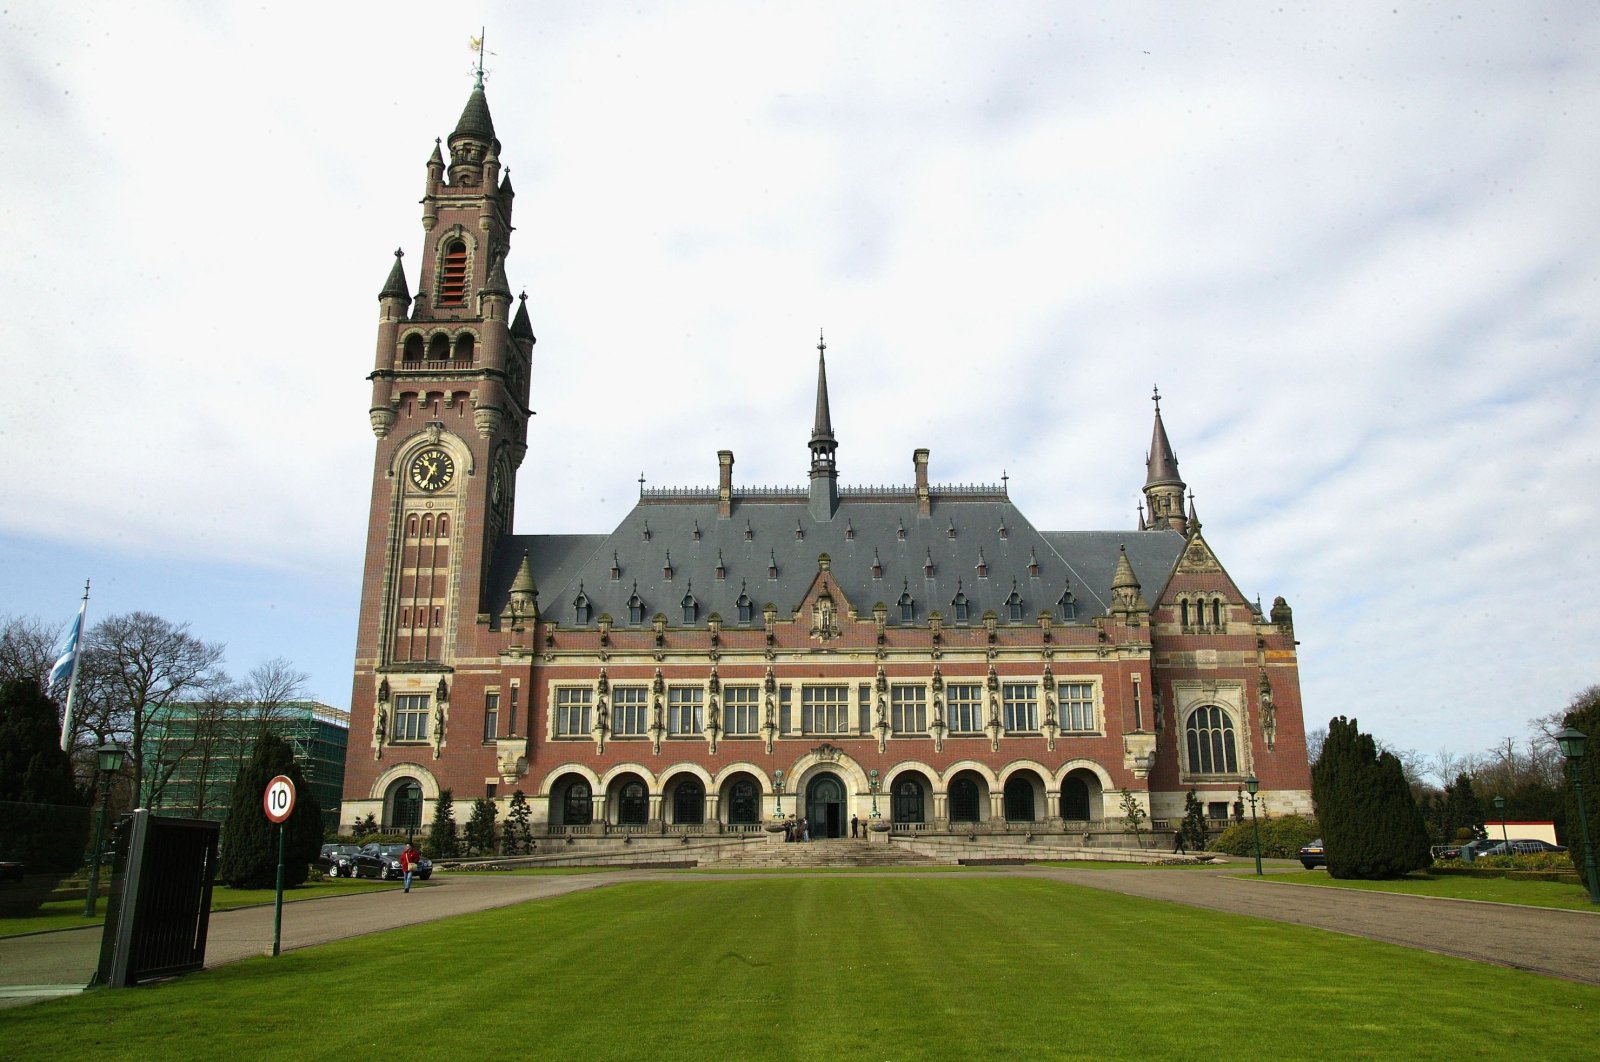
<point>278,801</point>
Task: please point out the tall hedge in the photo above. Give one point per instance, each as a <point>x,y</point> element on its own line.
<point>249,858</point>
<point>1371,825</point>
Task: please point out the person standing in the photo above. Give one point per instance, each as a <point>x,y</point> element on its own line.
<point>805,829</point>
<point>1178,844</point>
<point>408,862</point>
<point>855,827</point>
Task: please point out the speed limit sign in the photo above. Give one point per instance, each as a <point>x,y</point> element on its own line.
<point>279,798</point>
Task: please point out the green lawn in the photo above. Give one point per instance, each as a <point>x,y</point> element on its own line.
<point>831,968</point>
<point>1461,887</point>
<point>68,914</point>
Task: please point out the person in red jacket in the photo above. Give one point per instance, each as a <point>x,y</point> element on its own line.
<point>408,862</point>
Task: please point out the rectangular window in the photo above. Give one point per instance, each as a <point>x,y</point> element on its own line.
<point>572,712</point>
<point>628,708</point>
<point>824,709</point>
<point>863,709</point>
<point>684,705</point>
<point>410,717</point>
<point>1076,705</point>
<point>1020,704</point>
<point>741,710</point>
<point>491,716</point>
<point>785,704</point>
<point>908,710</point>
<point>966,707</point>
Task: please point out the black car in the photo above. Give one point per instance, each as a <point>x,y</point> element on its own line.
<point>336,859</point>
<point>1521,846</point>
<point>1312,855</point>
<point>383,861</point>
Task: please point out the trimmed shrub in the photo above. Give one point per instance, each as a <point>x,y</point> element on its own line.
<point>1371,824</point>
<point>443,841</point>
<point>1281,837</point>
<point>249,858</point>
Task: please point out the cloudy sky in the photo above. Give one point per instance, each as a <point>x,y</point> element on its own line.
<point>1354,244</point>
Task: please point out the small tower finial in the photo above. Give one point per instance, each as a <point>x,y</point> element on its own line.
<point>476,44</point>
<point>1155,396</point>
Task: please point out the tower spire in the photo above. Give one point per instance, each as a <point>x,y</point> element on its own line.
<point>1163,487</point>
<point>824,473</point>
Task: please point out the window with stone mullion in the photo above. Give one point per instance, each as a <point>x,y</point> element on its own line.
<point>965,706</point>
<point>908,706</point>
<point>628,711</point>
<point>741,710</point>
<point>410,717</point>
<point>1020,707</point>
<point>684,711</point>
<point>824,709</point>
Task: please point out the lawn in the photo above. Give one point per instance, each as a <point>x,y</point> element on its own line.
<point>830,967</point>
<point>1462,887</point>
<point>68,914</point>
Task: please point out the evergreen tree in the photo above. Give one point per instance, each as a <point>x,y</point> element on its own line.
<point>519,826</point>
<point>1462,808</point>
<point>1584,714</point>
<point>43,821</point>
<point>480,827</point>
<point>443,841</point>
<point>1194,823</point>
<point>1371,825</point>
<point>249,858</point>
<point>1133,817</point>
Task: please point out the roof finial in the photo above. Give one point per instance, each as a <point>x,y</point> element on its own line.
<point>822,344</point>
<point>476,44</point>
<point>1155,396</point>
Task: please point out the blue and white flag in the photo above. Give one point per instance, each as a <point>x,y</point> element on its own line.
<point>67,653</point>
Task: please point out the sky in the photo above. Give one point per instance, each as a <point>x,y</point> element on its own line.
<point>1354,245</point>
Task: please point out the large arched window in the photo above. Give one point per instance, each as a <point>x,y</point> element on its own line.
<point>907,804</point>
<point>1019,799</point>
<point>1211,744</point>
<point>689,803</point>
<point>405,804</point>
<point>744,802</point>
<point>964,800</point>
<point>453,285</point>
<point>577,808</point>
<point>633,804</point>
<point>1075,800</point>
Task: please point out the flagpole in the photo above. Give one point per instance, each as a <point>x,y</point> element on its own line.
<point>77,658</point>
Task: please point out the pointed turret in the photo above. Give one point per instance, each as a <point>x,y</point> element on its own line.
<point>473,140</point>
<point>1194,517</point>
<point>395,287</point>
<point>1163,487</point>
<point>524,603</point>
<point>521,326</point>
<point>497,283</point>
<point>1126,595</point>
<point>824,473</point>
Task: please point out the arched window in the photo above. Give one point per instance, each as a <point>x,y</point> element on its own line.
<point>633,805</point>
<point>1183,613</point>
<point>689,803</point>
<point>427,526</point>
<point>1075,800</point>
<point>1211,745</point>
<point>691,608</point>
<point>1014,605</point>
<point>439,347</point>
<point>907,804</point>
<point>577,808</point>
<point>411,526</point>
<point>1068,605</point>
<point>635,608</point>
<point>405,798</point>
<point>1019,799</point>
<point>464,346</point>
<point>959,603</point>
<point>908,607</point>
<point>1216,614</point>
<point>744,802</point>
<point>747,608</point>
<point>444,526</point>
<point>964,800</point>
<point>581,609</point>
<point>453,284</point>
<point>413,348</point>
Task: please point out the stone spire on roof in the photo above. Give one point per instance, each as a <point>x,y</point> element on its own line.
<point>521,327</point>
<point>1125,589</point>
<point>1163,486</point>
<point>395,287</point>
<point>473,140</point>
<point>524,602</point>
<point>824,473</point>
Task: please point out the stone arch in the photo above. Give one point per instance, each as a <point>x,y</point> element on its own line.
<point>983,770</point>
<point>739,796</point>
<point>627,798</point>
<point>650,780</point>
<point>910,793</point>
<point>1082,787</point>
<point>546,787</point>
<point>745,767</point>
<point>430,784</point>
<point>575,799</point>
<point>967,792</point>
<point>1024,795</point>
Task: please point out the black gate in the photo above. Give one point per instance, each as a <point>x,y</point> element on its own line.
<point>160,904</point>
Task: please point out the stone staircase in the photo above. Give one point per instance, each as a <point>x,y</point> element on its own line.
<point>805,855</point>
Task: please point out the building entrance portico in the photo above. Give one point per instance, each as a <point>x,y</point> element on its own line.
<point>824,809</point>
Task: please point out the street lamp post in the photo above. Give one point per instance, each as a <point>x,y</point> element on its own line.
<point>1500,809</point>
<point>108,759</point>
<point>1571,742</point>
<point>777,792</point>
<point>1252,785</point>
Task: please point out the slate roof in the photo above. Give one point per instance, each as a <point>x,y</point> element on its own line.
<point>761,534</point>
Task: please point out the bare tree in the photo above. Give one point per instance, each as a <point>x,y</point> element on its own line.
<point>271,689</point>
<point>1314,740</point>
<point>28,649</point>
<point>215,732</point>
<point>142,665</point>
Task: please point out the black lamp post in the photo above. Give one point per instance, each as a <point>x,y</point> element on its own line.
<point>1252,785</point>
<point>108,759</point>
<point>1571,742</point>
<point>1500,809</point>
<point>777,793</point>
<point>872,784</point>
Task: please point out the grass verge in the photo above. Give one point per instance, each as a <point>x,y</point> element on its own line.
<point>828,968</point>
<point>1554,894</point>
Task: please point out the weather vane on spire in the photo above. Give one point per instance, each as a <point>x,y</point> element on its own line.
<point>476,44</point>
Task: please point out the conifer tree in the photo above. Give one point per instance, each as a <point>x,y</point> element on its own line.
<point>1462,808</point>
<point>43,822</point>
<point>519,826</point>
<point>249,858</point>
<point>480,827</point>
<point>443,841</point>
<point>1194,823</point>
<point>1371,825</point>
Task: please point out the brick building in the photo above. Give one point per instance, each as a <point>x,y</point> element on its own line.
<point>921,655</point>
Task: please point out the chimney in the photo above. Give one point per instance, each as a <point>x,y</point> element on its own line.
<point>919,459</point>
<point>724,483</point>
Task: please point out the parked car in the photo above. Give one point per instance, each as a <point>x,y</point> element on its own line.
<point>1468,851</point>
<point>1521,846</point>
<point>336,859</point>
<point>383,861</point>
<point>1312,856</point>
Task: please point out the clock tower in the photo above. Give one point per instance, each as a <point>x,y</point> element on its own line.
<point>449,408</point>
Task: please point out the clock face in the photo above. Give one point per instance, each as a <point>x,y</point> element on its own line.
<point>497,485</point>
<point>432,470</point>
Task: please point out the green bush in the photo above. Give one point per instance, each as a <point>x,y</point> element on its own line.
<point>1281,837</point>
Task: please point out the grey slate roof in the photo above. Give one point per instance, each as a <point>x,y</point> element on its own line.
<point>1082,561</point>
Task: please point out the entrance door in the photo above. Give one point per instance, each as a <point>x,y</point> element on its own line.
<point>825,806</point>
